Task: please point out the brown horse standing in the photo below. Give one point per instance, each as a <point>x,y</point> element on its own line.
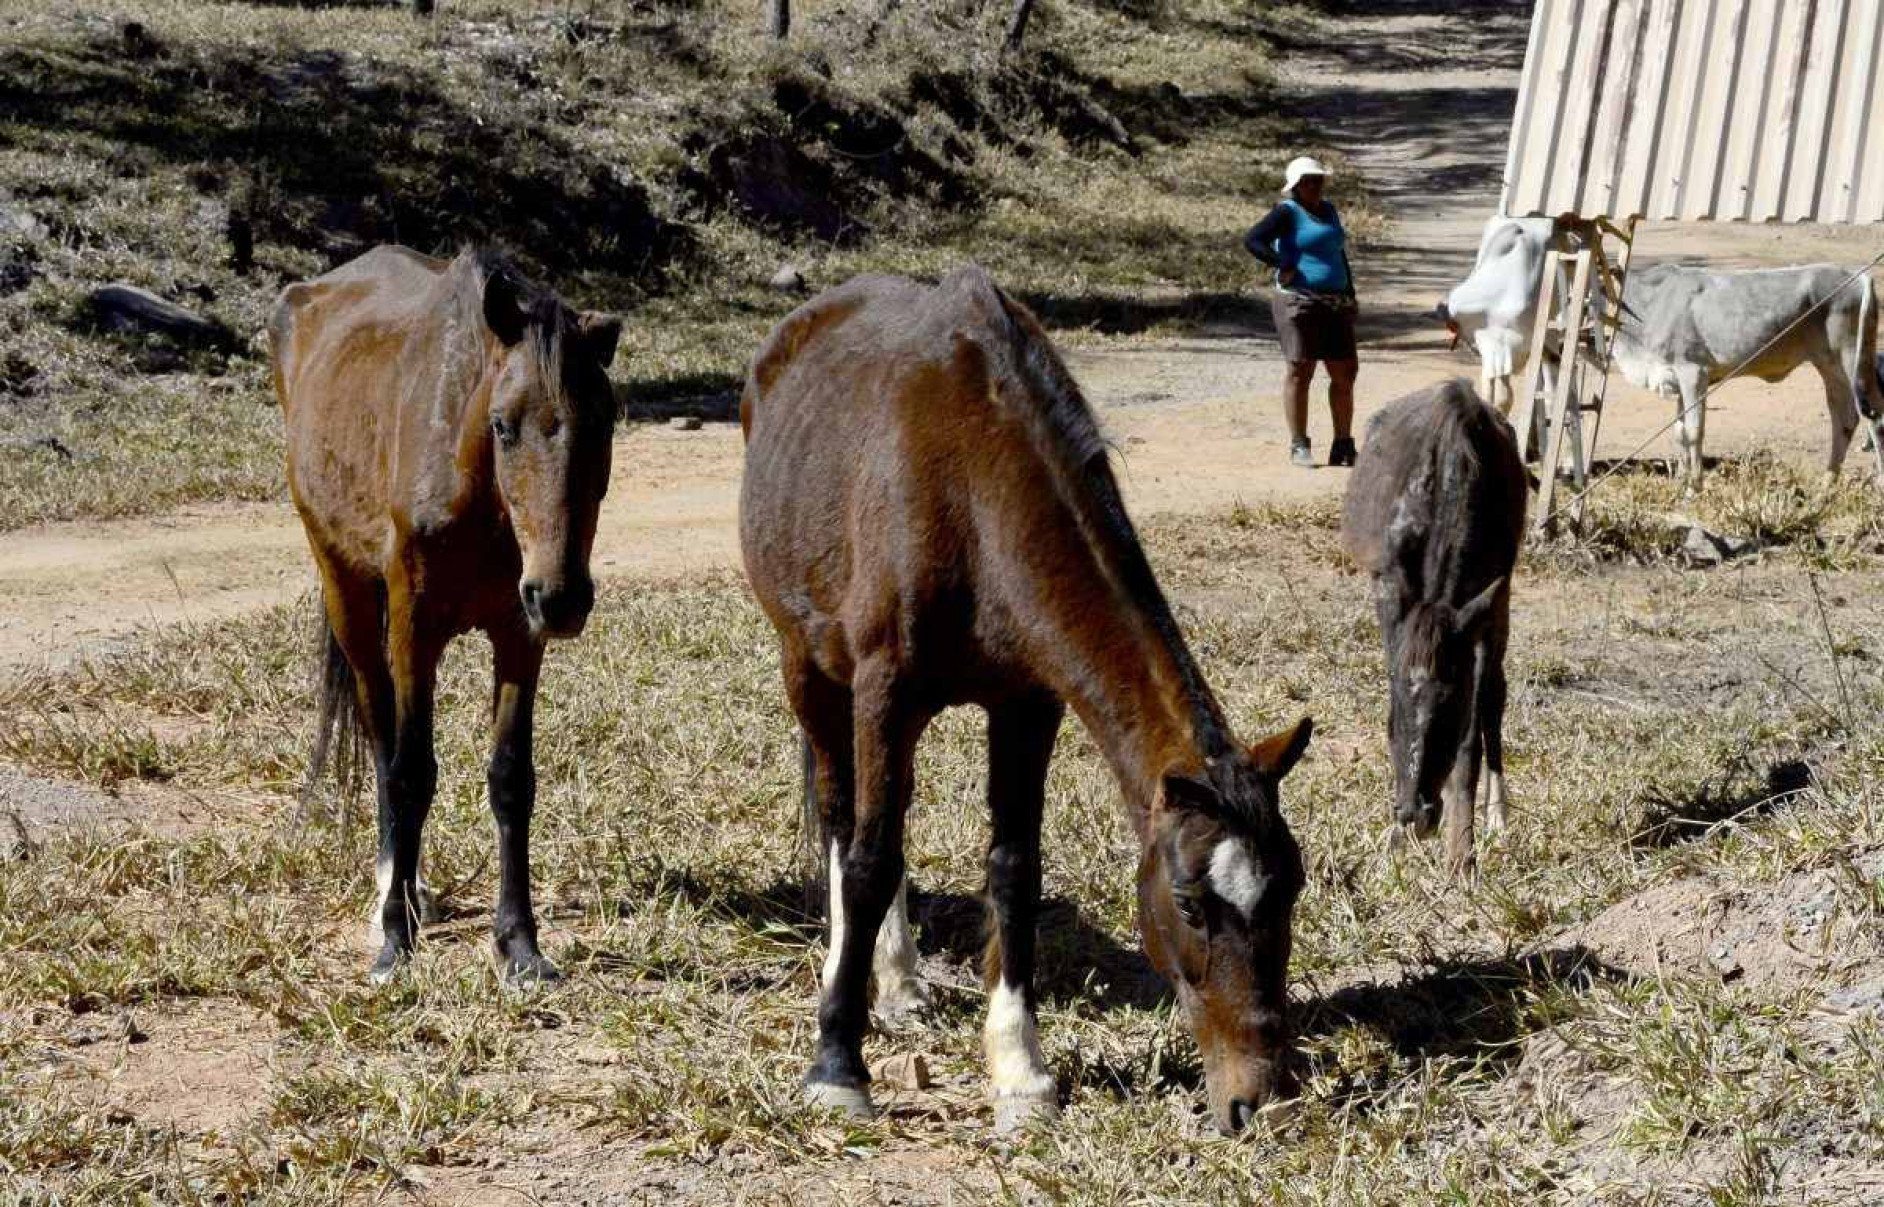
<point>1435,512</point>
<point>928,519</point>
<point>448,448</point>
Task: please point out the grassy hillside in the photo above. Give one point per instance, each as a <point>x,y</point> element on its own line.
<point>657,158</point>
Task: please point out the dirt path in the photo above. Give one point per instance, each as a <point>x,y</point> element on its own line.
<point>1417,101</point>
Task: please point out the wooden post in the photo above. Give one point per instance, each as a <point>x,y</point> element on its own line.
<point>1526,417</point>
<point>1566,386</point>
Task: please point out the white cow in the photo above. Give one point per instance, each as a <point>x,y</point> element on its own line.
<point>1497,304</point>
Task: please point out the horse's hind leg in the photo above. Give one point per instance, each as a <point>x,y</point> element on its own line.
<point>1459,794</point>
<point>413,648</point>
<point>1491,724</point>
<point>1020,743</point>
<point>353,608</point>
<point>867,865</point>
<point>517,661</point>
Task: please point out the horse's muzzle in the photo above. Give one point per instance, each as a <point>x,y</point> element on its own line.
<point>557,610</point>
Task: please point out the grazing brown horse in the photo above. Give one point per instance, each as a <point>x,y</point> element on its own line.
<point>448,448</point>
<point>928,519</point>
<point>1435,512</point>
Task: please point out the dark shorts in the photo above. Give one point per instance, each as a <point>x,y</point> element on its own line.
<point>1311,329</point>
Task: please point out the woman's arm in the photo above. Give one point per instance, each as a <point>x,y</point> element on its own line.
<point>1261,240</point>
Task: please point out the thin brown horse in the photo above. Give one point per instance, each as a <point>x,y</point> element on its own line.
<point>448,449</point>
<point>1435,512</point>
<point>929,519</point>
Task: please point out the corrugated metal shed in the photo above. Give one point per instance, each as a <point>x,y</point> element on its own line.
<point>1701,109</point>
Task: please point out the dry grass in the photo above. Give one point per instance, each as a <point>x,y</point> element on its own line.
<point>1461,1045</point>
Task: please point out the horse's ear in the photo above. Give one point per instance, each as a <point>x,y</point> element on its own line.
<point>598,334</point>
<point>1180,793</point>
<point>1276,755</point>
<point>1470,618</point>
<point>503,309</point>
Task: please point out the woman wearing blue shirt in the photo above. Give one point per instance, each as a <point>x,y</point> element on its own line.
<point>1313,305</point>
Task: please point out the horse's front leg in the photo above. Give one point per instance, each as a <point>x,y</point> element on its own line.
<point>413,648</point>
<point>517,660</point>
<point>1020,744</point>
<point>867,867</point>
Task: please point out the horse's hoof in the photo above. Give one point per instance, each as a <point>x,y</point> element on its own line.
<point>907,1007</point>
<point>387,967</point>
<point>1015,1113</point>
<point>431,910</point>
<point>851,1101</point>
<point>525,971</point>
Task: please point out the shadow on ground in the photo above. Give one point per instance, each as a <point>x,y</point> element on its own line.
<point>1739,792</point>
<point>1470,1008</point>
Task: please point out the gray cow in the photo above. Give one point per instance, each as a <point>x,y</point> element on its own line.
<point>1684,330</point>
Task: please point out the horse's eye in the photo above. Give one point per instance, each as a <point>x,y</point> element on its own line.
<point>504,429</point>
<point>1190,906</point>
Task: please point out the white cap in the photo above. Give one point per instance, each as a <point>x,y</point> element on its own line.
<point>1300,166</point>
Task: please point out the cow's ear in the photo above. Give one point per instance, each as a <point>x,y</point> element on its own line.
<point>503,309</point>
<point>599,334</point>
<point>1477,610</point>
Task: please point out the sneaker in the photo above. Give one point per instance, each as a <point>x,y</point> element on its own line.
<point>1341,452</point>
<point>1300,454</point>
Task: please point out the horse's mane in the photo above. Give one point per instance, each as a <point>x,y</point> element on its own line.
<point>546,317</point>
<point>1039,391</point>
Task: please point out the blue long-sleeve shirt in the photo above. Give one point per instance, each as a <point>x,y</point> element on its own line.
<point>1290,237</point>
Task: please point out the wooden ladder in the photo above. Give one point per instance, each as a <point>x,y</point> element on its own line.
<point>1575,268</point>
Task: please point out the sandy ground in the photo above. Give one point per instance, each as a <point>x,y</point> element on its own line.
<point>1419,102</point>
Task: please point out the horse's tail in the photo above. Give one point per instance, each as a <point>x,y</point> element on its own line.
<point>813,840</point>
<point>340,738</point>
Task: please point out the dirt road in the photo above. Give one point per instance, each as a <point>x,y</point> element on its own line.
<point>1418,102</point>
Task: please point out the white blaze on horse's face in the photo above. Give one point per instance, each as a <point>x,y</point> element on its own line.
<point>1233,876</point>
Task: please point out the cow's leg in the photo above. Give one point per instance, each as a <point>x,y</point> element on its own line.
<point>1841,407</point>
<point>414,644</point>
<point>1690,391</point>
<point>1020,743</point>
<point>867,862</point>
<point>517,660</point>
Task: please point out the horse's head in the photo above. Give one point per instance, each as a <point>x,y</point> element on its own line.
<point>552,415</point>
<point>1216,894</point>
<point>1431,652</point>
